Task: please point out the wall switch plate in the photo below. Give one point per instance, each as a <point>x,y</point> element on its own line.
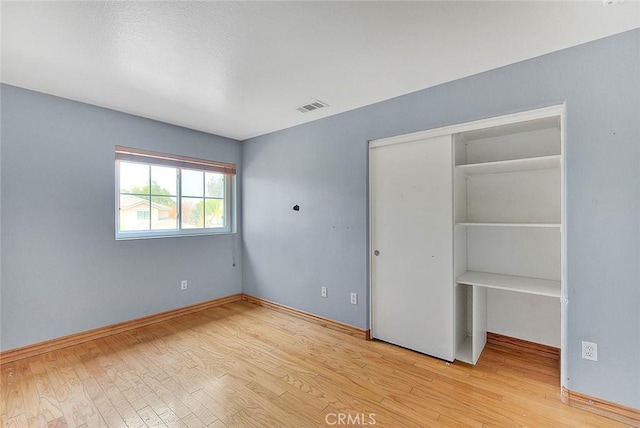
<point>323,291</point>
<point>354,299</point>
<point>590,351</point>
<point>183,284</point>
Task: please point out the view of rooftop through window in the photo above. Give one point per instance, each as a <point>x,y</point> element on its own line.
<point>149,195</point>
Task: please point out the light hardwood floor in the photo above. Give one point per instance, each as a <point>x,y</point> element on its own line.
<point>245,365</point>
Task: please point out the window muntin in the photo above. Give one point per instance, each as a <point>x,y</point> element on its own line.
<point>155,200</point>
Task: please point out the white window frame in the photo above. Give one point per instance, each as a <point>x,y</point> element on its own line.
<point>144,157</point>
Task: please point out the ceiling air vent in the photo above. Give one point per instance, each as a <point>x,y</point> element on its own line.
<point>317,104</point>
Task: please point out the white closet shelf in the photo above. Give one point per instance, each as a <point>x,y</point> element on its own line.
<point>514,165</point>
<point>521,284</point>
<point>509,224</point>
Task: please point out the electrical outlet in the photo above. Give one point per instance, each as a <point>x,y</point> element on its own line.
<point>354,299</point>
<point>184,284</point>
<point>590,351</point>
<point>323,291</point>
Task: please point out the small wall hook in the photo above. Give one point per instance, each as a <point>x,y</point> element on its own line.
<point>296,207</point>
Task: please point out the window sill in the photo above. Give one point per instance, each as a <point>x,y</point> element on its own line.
<point>136,236</point>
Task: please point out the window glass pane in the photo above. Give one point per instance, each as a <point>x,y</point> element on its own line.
<point>192,183</point>
<point>164,180</point>
<point>214,212</point>
<point>164,213</point>
<point>162,200</point>
<point>134,213</point>
<point>192,213</point>
<point>214,185</point>
<point>134,178</point>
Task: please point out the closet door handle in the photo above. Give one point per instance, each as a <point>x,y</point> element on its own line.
<point>376,253</point>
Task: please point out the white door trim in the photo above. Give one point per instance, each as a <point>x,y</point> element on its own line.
<point>541,113</point>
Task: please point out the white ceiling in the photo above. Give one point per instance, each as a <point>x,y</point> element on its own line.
<point>240,69</point>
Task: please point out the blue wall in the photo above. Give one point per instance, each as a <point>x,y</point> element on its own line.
<point>322,166</point>
<point>62,269</point>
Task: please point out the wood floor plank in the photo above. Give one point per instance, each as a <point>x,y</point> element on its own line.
<point>28,390</point>
<point>308,390</point>
<point>130,388</point>
<point>149,417</point>
<point>247,365</point>
<point>58,423</point>
<point>371,376</point>
<point>4,399</point>
<point>417,414</point>
<point>192,421</point>
<point>194,406</point>
<point>260,408</point>
<point>382,414</point>
<point>18,422</point>
<point>107,416</point>
<point>12,395</point>
<point>223,399</point>
<point>214,405</point>
<point>169,397</point>
<point>37,421</point>
<point>124,408</point>
<point>293,403</point>
<point>124,347</point>
<point>49,407</point>
<point>266,410</point>
<point>152,400</point>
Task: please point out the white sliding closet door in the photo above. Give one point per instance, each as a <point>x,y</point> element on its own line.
<point>412,245</point>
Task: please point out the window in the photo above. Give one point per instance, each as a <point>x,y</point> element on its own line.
<point>166,195</point>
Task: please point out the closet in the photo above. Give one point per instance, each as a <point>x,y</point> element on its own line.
<point>499,205</point>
